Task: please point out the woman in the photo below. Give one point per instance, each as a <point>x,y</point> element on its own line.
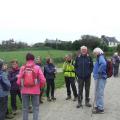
<point>31,79</point>
<point>100,76</point>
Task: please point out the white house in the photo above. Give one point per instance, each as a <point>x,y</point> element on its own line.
<point>110,41</point>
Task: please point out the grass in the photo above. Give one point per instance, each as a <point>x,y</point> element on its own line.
<point>59,82</point>
<point>20,55</point>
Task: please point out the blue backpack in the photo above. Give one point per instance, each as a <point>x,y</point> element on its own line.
<point>4,83</point>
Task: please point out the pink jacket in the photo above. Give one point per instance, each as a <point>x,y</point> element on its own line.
<point>36,88</point>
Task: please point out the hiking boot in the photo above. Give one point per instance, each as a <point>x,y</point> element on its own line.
<point>48,99</point>
<point>75,99</point>
<point>79,105</point>
<point>53,98</point>
<point>68,98</point>
<point>88,104</point>
<point>98,111</point>
<point>9,116</point>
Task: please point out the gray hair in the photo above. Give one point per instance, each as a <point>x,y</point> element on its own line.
<point>83,47</point>
<point>98,50</point>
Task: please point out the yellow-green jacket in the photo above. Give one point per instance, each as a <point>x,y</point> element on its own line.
<point>68,69</point>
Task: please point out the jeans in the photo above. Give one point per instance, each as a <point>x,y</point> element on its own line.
<point>81,84</point>
<point>71,82</point>
<point>3,107</point>
<point>99,93</point>
<point>35,103</point>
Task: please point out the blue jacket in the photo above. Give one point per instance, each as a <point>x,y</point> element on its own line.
<point>99,70</point>
<point>83,66</point>
<point>49,71</point>
<point>4,76</point>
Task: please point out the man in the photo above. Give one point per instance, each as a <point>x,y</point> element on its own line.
<point>83,68</point>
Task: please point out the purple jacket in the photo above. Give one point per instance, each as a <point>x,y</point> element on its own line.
<point>12,76</point>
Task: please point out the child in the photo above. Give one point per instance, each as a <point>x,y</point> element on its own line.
<point>49,72</point>
<point>4,89</point>
<point>15,89</point>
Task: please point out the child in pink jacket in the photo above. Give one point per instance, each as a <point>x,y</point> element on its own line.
<point>31,92</point>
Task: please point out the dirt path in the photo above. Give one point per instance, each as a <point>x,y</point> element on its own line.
<point>66,110</point>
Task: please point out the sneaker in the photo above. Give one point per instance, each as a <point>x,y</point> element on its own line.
<point>48,99</point>
<point>75,99</point>
<point>9,116</point>
<point>98,111</point>
<point>79,105</point>
<point>14,112</point>
<point>68,98</point>
<point>88,104</point>
<point>41,102</point>
<point>53,98</point>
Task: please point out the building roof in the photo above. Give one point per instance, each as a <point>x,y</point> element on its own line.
<point>109,39</point>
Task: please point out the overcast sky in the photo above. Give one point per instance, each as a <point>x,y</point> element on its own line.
<point>33,21</point>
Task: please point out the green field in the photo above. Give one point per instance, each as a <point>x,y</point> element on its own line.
<point>20,55</point>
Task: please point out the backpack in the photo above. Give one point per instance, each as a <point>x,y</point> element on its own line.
<point>5,83</point>
<point>29,76</point>
<point>109,68</point>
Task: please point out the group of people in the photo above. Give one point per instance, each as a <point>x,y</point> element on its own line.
<point>28,82</point>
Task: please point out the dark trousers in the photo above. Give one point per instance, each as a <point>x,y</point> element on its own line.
<point>50,87</point>
<point>3,107</point>
<point>81,84</point>
<point>115,70</point>
<point>14,94</point>
<point>70,81</point>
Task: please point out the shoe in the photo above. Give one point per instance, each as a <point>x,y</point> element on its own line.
<point>75,99</point>
<point>48,99</point>
<point>98,111</point>
<point>53,98</point>
<point>79,105</point>
<point>9,116</point>
<point>14,112</point>
<point>30,109</point>
<point>68,98</point>
<point>41,102</point>
<point>88,104</point>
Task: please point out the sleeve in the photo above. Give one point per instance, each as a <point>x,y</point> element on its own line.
<point>102,65</point>
<point>11,78</point>
<point>91,64</point>
<point>20,75</point>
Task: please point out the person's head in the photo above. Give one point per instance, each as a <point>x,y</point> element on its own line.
<point>115,54</point>
<point>5,66</point>
<point>14,64</point>
<point>38,60</point>
<point>97,51</point>
<point>69,58</point>
<point>49,60</point>
<point>83,50</point>
<point>29,56</point>
<point>65,58</point>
